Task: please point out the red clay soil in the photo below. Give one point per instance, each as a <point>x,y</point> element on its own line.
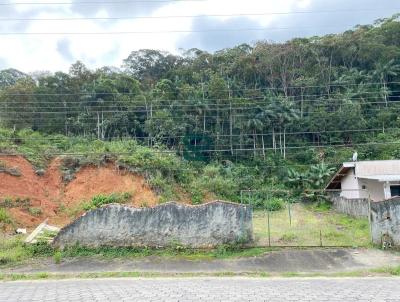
<point>50,194</point>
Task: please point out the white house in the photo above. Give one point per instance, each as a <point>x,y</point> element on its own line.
<point>378,180</point>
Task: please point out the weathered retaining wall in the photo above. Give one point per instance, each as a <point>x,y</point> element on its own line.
<point>385,220</point>
<point>172,223</point>
<point>353,207</point>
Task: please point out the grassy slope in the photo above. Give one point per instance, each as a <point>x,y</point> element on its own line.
<point>307,222</point>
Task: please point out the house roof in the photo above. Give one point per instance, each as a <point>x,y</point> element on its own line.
<point>335,182</point>
<point>382,178</point>
<point>380,170</point>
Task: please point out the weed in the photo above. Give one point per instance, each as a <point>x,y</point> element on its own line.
<point>288,237</point>
<point>57,257</point>
<point>5,217</point>
<point>35,211</point>
<point>101,200</point>
<point>144,204</point>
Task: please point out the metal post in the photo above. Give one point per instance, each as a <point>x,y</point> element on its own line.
<point>241,196</point>
<point>290,214</point>
<point>369,218</point>
<point>320,238</point>
<point>269,229</point>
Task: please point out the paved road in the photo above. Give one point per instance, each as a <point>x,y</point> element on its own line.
<point>204,289</point>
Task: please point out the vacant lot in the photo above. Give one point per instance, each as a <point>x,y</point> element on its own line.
<point>309,227</point>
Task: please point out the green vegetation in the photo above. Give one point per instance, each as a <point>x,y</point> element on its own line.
<point>14,251</point>
<point>35,211</point>
<point>310,227</point>
<point>5,217</point>
<point>381,272</point>
<point>101,200</point>
<point>18,202</point>
<point>268,115</point>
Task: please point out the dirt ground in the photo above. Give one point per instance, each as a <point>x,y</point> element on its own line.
<point>49,193</point>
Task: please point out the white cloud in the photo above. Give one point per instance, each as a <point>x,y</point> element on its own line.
<point>57,52</point>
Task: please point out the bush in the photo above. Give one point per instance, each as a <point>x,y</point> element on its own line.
<point>101,200</point>
<point>35,211</point>
<point>274,204</point>
<point>197,195</point>
<point>5,217</point>
<point>57,257</point>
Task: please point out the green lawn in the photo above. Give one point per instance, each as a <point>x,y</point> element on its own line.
<point>310,226</point>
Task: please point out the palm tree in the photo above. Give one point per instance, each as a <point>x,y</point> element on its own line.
<point>383,72</point>
<point>282,114</point>
<point>254,125</point>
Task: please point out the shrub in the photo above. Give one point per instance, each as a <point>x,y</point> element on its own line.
<point>101,200</point>
<point>274,204</point>
<point>35,211</point>
<point>5,217</point>
<point>57,257</point>
<point>197,195</point>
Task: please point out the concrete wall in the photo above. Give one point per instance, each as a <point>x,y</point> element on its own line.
<point>357,207</point>
<point>385,220</point>
<point>350,186</point>
<point>172,223</point>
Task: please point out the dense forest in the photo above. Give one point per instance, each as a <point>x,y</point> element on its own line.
<point>295,103</point>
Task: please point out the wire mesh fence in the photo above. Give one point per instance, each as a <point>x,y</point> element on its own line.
<point>280,218</point>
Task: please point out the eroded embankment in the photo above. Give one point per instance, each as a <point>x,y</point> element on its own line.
<point>35,195</point>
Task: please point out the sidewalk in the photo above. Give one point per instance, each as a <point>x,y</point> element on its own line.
<point>287,260</point>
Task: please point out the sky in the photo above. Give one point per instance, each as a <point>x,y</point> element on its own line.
<point>30,42</point>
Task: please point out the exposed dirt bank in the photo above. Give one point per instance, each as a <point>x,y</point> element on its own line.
<point>49,197</point>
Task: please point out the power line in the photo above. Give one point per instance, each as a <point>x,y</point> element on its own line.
<point>167,31</point>
<point>98,2</point>
<point>219,90</point>
<point>95,110</point>
<point>222,150</point>
<point>199,16</point>
<point>155,104</point>
<point>222,135</point>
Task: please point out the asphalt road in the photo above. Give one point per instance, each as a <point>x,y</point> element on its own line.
<point>204,289</point>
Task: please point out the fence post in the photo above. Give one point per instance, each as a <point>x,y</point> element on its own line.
<point>369,218</point>
<point>320,238</point>
<point>290,213</point>
<point>269,229</point>
<point>241,196</point>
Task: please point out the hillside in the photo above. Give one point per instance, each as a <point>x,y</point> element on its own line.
<point>273,118</point>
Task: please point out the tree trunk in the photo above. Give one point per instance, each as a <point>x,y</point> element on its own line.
<point>273,140</point>
<point>230,127</point>
<point>98,125</point>
<point>263,146</point>
<point>284,143</point>
<point>254,143</point>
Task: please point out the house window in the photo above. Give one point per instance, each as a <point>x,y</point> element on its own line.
<point>395,190</point>
<point>364,187</point>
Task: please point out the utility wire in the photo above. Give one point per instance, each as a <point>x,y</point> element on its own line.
<point>201,16</point>
<point>167,31</point>
<point>221,135</point>
<point>224,150</point>
<point>219,90</point>
<point>98,2</point>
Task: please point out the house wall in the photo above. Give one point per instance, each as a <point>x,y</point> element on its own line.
<point>350,186</point>
<point>374,189</point>
<point>385,220</point>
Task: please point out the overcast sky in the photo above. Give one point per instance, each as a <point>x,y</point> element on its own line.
<point>280,20</point>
